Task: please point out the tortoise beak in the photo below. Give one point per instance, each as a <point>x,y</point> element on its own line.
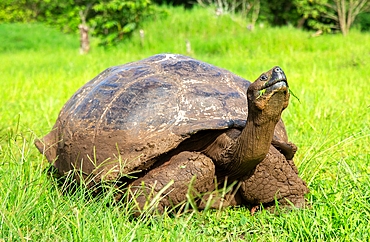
<point>278,79</point>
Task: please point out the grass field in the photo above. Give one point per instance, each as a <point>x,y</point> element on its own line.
<point>41,68</point>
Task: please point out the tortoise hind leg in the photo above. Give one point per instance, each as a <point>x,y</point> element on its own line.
<point>48,145</point>
<point>180,169</point>
<point>274,178</point>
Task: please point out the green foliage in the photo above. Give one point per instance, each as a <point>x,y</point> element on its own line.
<point>309,14</point>
<point>110,20</point>
<point>16,11</point>
<point>329,125</point>
<point>363,21</point>
<point>279,12</point>
<point>314,13</point>
<point>114,19</point>
<point>310,8</point>
<point>62,14</point>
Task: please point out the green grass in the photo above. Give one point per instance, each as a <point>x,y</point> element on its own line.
<point>41,68</point>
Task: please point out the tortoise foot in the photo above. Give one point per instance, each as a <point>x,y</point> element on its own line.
<point>275,178</point>
<point>186,174</point>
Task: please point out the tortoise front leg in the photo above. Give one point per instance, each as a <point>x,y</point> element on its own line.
<point>288,149</point>
<point>183,169</point>
<point>281,143</point>
<point>274,178</point>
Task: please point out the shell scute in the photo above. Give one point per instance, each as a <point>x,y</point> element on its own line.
<point>162,100</point>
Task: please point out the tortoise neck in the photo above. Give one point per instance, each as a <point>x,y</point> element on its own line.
<point>253,144</point>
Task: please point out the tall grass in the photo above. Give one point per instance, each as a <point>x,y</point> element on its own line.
<point>41,68</point>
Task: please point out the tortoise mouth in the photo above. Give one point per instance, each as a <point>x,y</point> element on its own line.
<point>275,84</point>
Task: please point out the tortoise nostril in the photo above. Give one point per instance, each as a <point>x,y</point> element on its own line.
<point>278,70</point>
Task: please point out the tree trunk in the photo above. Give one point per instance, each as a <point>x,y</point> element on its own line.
<point>84,38</point>
<point>84,32</point>
<point>341,12</point>
<point>347,10</point>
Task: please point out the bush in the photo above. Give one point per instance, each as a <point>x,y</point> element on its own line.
<point>114,19</point>
<point>16,11</point>
<point>110,20</point>
<point>363,21</point>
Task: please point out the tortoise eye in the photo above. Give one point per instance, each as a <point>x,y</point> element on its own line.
<point>263,77</point>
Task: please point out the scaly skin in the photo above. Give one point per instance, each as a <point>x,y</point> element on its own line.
<point>171,118</point>
<point>274,178</point>
<point>268,96</point>
<point>265,174</point>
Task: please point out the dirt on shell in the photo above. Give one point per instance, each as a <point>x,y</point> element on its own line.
<point>94,154</point>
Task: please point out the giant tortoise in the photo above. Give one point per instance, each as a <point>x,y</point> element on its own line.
<point>171,119</point>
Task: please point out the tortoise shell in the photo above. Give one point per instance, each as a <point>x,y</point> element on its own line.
<point>129,116</point>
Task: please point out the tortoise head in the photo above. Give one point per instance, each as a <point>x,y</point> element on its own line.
<point>269,94</point>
